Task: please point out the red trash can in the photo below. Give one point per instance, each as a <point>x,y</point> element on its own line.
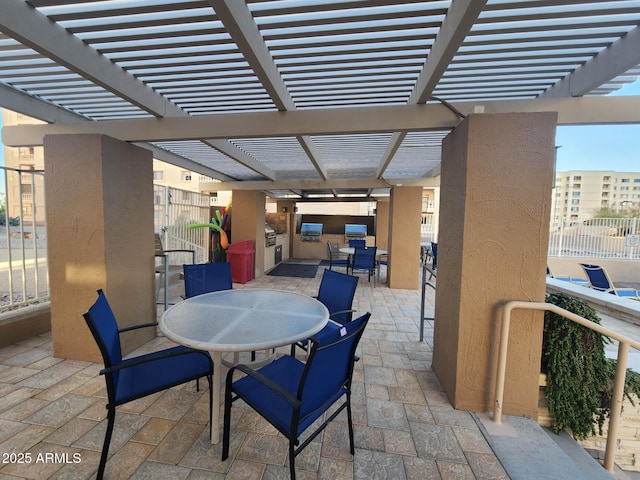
<point>241,257</point>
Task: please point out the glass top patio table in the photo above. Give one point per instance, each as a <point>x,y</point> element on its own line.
<point>352,250</point>
<point>241,321</point>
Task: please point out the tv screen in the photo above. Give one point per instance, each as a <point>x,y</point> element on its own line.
<point>311,229</point>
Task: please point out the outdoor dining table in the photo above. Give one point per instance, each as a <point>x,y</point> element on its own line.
<point>352,250</point>
<point>241,320</point>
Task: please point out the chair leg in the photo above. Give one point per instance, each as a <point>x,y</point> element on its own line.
<point>111,417</point>
<point>227,421</point>
<point>292,459</point>
<point>350,423</point>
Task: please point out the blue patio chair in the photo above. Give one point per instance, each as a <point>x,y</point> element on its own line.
<point>364,260</point>
<point>356,242</point>
<point>336,292</point>
<point>567,278</point>
<point>202,278</point>
<point>334,256</point>
<point>137,377</point>
<point>292,395</point>
<point>600,280</point>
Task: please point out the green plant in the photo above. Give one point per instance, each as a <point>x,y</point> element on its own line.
<point>579,376</point>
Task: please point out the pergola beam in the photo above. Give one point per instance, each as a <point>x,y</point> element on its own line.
<point>356,120</point>
<point>300,186</point>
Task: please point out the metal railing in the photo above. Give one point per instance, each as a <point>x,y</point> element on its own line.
<point>621,366</point>
<point>595,238</point>
<point>24,276</point>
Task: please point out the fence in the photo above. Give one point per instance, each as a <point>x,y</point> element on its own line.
<point>24,277</point>
<point>24,274</point>
<point>595,238</point>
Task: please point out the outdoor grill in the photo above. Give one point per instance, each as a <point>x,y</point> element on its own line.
<point>269,235</point>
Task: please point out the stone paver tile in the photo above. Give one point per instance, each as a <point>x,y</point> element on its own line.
<point>455,471</point>
<point>177,443</point>
<point>372,465</point>
<point>204,475</point>
<point>380,392</point>
<point>27,357</point>
<point>449,416</point>
<point>437,398</point>
<point>368,438</point>
<point>252,421</point>
<point>125,427</point>
<point>383,414</point>
<point>160,471</point>
<point>62,410</point>
<point>24,409</point>
<point>50,376</point>
<point>418,413</point>
<point>16,397</point>
<point>61,388</point>
<point>245,470</point>
<point>9,428</point>
<point>173,404</point>
<point>380,375</point>
<point>335,442</point>
<point>70,432</point>
<point>24,439</point>
<point>17,374</point>
<point>436,441</point>
<point>154,431</point>
<point>471,440</point>
<point>398,442</point>
<point>407,395</point>
<point>486,466</point>
<point>333,469</point>
<point>203,455</point>
<point>127,460</point>
<point>86,469</point>
<point>417,468</point>
<point>264,448</point>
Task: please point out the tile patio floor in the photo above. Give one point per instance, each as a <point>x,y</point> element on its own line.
<point>404,425</point>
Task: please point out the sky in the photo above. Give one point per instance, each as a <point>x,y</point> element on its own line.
<point>600,147</point>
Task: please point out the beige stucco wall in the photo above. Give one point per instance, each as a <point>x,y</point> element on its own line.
<point>497,171</point>
<point>247,223</point>
<point>100,235</point>
<point>382,224</point>
<point>405,205</point>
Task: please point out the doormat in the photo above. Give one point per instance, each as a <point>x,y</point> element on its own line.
<point>299,270</point>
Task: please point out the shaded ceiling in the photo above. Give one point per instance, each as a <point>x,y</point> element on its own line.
<point>309,97</point>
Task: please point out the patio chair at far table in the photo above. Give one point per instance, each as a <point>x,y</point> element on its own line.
<point>202,278</point>
<point>166,269</point>
<point>600,280</point>
<point>364,260</point>
<point>336,292</point>
<point>292,395</point>
<point>357,242</point>
<point>334,256</point>
<point>133,378</point>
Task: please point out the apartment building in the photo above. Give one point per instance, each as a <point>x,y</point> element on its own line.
<point>578,194</point>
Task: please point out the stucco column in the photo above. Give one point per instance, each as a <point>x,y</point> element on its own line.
<point>247,223</point>
<point>382,224</point>
<point>99,194</point>
<point>405,209</point>
<point>495,197</point>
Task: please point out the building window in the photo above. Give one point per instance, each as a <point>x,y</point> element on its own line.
<point>606,179</point>
<point>624,188</point>
<point>605,186</point>
<point>636,180</point>
<point>624,180</point>
<point>575,201</point>
<point>158,175</point>
<point>575,209</point>
<point>576,194</point>
<point>186,176</point>
<point>577,178</point>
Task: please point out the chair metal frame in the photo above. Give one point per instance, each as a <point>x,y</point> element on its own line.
<point>334,256</point>
<point>114,368</point>
<point>290,390</point>
<point>166,269</point>
<point>599,280</point>
<point>364,260</point>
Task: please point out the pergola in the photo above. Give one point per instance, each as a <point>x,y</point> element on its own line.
<point>306,98</point>
<point>303,98</point>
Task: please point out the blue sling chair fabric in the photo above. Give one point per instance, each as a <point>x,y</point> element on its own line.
<point>291,395</point>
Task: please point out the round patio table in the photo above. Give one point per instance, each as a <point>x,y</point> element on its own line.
<point>241,320</point>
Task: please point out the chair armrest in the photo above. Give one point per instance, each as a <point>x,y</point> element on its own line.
<point>135,327</point>
<point>340,312</point>
<point>132,362</point>
<point>267,382</point>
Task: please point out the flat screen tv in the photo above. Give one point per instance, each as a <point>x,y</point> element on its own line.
<point>355,231</point>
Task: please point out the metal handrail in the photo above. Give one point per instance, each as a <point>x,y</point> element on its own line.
<point>621,367</point>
